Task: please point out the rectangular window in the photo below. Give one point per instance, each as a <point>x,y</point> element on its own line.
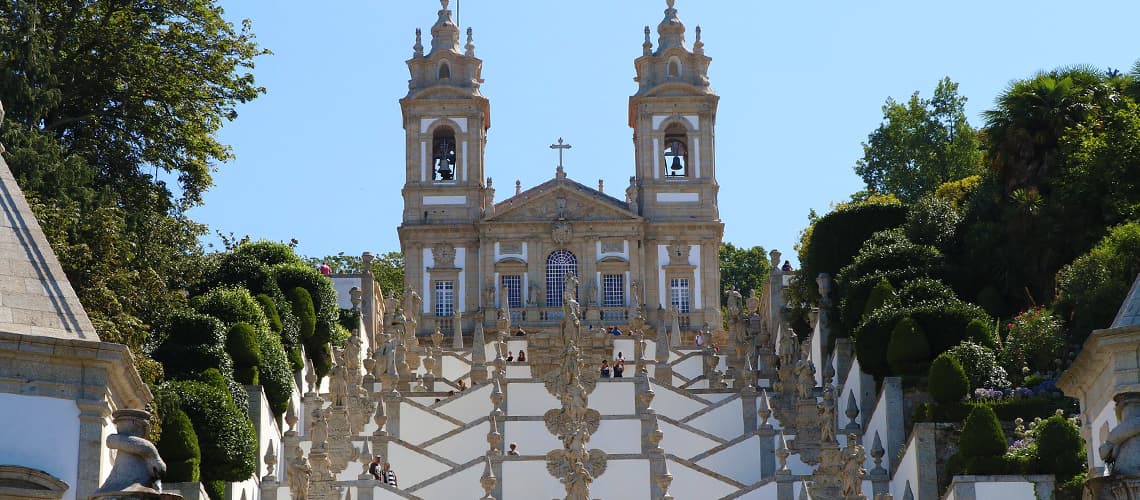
<point>513,284</point>
<point>679,294</point>
<point>444,299</point>
<point>613,290</point>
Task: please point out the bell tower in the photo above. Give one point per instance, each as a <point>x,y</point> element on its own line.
<point>673,115</point>
<point>445,123</point>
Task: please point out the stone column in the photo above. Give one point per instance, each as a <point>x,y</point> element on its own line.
<point>368,306</point>
<point>478,356</point>
<point>92,417</point>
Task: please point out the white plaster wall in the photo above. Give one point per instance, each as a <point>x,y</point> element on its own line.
<point>48,442</point>
<point>908,471</point>
<point>623,479</point>
<point>689,483</point>
<point>613,398</point>
<point>454,368</point>
<point>531,436</point>
<point>417,426</point>
<point>726,421</point>
<point>695,261</point>
<point>714,397</point>
<point>516,344</point>
<point>682,442</point>
<point>674,405</point>
<point>878,424</point>
<point>445,489</point>
<point>627,347</point>
<point>464,446</point>
<point>518,372</point>
<point>766,492</point>
<point>863,387</point>
<point>618,436</point>
<point>343,285</point>
<point>1011,490</point>
<point>689,368</point>
<point>529,399</point>
<point>410,466</point>
<point>739,461</point>
<point>528,480</point>
<point>468,405</point>
<point>1106,414</point>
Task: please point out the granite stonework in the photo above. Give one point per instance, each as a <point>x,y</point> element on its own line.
<point>1105,376</point>
<point>49,349</point>
<point>985,487</point>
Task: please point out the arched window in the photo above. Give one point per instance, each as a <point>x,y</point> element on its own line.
<point>676,151</point>
<point>674,68</point>
<point>444,71</point>
<point>558,264</point>
<point>443,154</point>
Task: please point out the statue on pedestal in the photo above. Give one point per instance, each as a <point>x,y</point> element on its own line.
<point>298,474</point>
<point>853,471</point>
<point>138,468</point>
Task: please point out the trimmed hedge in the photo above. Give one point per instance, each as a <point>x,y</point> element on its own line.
<point>982,435</point>
<point>270,253</point>
<point>933,221</point>
<point>178,444</point>
<point>948,381</point>
<point>276,372</point>
<point>908,352</point>
<point>270,310</point>
<point>319,286</point>
<point>836,238</point>
<point>231,305</point>
<point>943,323</point>
<point>980,332</point>
<point>1006,409</point>
<point>980,365</point>
<point>881,294</point>
<point>886,255</point>
<point>1060,448</point>
<point>225,435</point>
<point>193,342</point>
<point>244,347</point>
<point>303,308</point>
<point>1091,288</point>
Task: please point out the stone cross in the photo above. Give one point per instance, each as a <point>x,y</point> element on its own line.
<point>561,146</point>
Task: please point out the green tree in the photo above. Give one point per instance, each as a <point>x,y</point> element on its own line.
<point>744,269</point>
<point>101,96</point>
<point>1091,288</point>
<point>920,145</point>
<point>948,380</point>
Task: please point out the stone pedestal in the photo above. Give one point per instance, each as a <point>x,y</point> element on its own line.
<point>1112,488</point>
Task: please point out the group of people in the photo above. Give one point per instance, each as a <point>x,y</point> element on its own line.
<point>382,471</point>
<point>617,369</point>
<point>511,356</point>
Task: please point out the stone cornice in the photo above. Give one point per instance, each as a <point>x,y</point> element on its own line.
<point>70,369</point>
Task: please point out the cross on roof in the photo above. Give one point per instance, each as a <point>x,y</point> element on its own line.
<point>561,146</point>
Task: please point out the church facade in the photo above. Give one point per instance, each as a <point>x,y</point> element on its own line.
<point>652,248</point>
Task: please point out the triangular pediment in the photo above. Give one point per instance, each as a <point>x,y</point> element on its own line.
<point>561,198</point>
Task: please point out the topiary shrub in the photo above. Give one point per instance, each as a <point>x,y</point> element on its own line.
<point>982,435</point>
<point>880,295</point>
<point>244,348</point>
<point>1091,288</point>
<point>321,355</point>
<point>276,372</point>
<point>980,332</point>
<point>908,352</point>
<point>270,253</point>
<point>231,305</point>
<point>319,286</point>
<point>834,239</point>
<point>303,309</point>
<point>225,435</point>
<point>948,381</point>
<point>270,310</point>
<point>980,365</point>
<point>1060,449</point>
<point>885,255</point>
<point>193,342</point>
<point>178,444</point>
<point>216,490</point>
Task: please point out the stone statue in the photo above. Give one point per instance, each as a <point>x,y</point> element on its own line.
<point>591,293</point>
<point>805,371</point>
<point>138,467</point>
<point>1121,448</point>
<point>489,294</point>
<point>536,294</point>
<point>853,471</point>
<point>827,421</point>
<point>734,299</point>
<point>753,304</point>
<point>298,474</point>
<point>319,430</point>
<point>338,384</point>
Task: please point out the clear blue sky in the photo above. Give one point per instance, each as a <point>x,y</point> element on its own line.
<point>320,157</point>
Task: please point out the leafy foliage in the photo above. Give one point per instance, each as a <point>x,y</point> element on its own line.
<point>231,305</point>
<point>243,346</point>
<point>743,269</point>
<point>948,380</point>
<point>956,192</point>
<point>100,96</point>
<point>275,372</point>
<point>387,267</point>
<point>1091,288</point>
<point>1035,340</point>
<point>886,255</point>
<point>194,344</point>
<point>303,308</point>
<point>920,145</point>
<point>1060,448</point>
<point>980,365</point>
<point>178,444</point>
<point>933,221</point>
<point>880,295</point>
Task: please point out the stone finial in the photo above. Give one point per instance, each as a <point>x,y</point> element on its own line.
<point>418,48</point>
<point>852,412</point>
<point>270,463</point>
<point>380,418</point>
<point>488,480</point>
<point>138,467</point>
<point>782,453</point>
<point>765,411</point>
<point>698,45</point>
<point>364,456</point>
<point>663,481</point>
<point>291,418</point>
<point>518,187</point>
<point>647,46</point>
<point>774,255</point>
<point>310,377</point>
<point>494,437</point>
<point>497,397</point>
<point>470,47</point>
<point>877,453</point>
<point>908,493</point>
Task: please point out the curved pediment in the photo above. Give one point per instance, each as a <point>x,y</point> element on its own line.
<point>19,482</point>
<point>562,199</point>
